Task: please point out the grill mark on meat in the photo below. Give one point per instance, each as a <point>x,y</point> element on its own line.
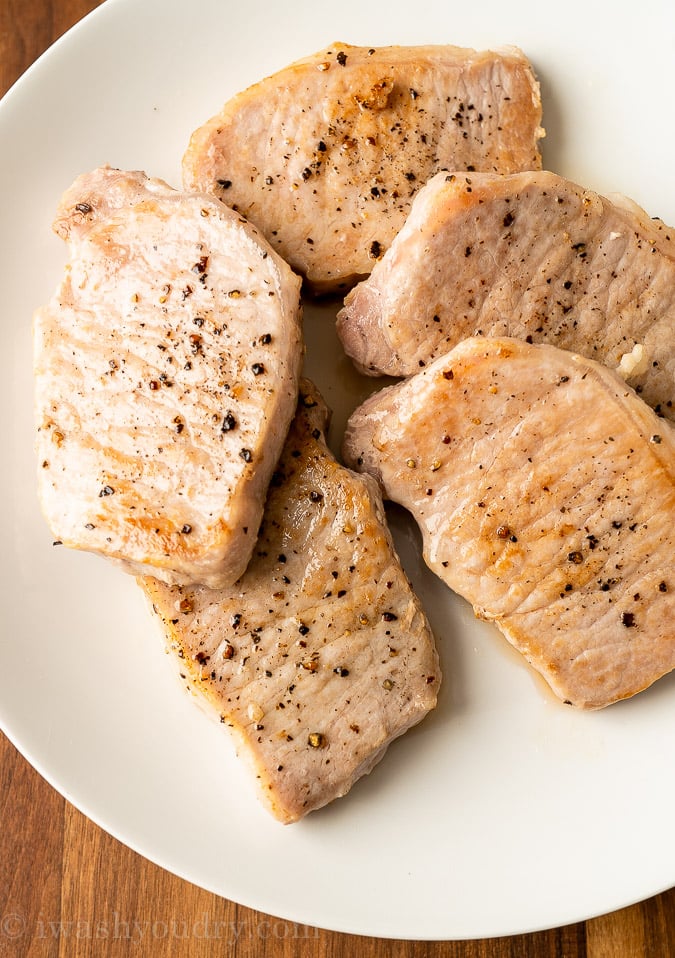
<point>552,507</point>
<point>135,378</point>
<point>325,157</point>
<point>549,262</point>
<point>320,655</point>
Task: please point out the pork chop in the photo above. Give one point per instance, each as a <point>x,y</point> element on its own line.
<point>320,654</point>
<point>325,155</point>
<point>529,255</point>
<point>545,492</point>
<point>167,369</point>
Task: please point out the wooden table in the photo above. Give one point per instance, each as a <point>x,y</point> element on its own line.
<point>69,889</point>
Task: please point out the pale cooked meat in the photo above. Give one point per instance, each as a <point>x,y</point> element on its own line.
<point>325,155</point>
<point>545,492</point>
<point>528,255</point>
<point>167,369</point>
<point>321,654</point>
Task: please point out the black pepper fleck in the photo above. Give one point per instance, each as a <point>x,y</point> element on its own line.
<point>229,422</point>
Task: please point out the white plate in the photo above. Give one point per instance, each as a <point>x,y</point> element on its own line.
<point>505,811</point>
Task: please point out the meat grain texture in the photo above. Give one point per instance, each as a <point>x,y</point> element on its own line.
<point>529,255</point>
<point>320,654</point>
<point>325,155</point>
<point>545,492</point>
<point>166,370</point>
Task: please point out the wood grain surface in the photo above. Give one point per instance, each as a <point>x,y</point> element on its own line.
<point>69,889</point>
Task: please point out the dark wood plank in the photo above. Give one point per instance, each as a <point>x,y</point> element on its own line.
<point>28,27</point>
<point>31,854</point>
<point>647,928</point>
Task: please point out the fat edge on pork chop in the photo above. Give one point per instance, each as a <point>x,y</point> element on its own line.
<point>320,655</point>
<point>528,255</point>
<point>166,375</point>
<point>545,492</point>
<point>325,155</point>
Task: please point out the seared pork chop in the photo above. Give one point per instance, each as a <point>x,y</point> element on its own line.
<point>325,155</point>
<point>545,492</point>
<point>320,654</point>
<point>167,369</point>
<point>529,255</point>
